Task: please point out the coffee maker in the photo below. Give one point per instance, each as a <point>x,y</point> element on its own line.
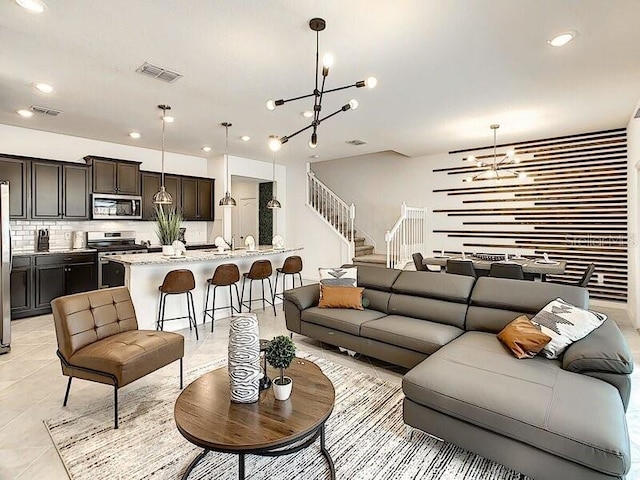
<point>78,240</point>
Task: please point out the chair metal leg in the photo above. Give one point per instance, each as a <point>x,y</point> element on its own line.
<point>273,298</point>
<point>66,395</point>
<point>163,300</point>
<point>230,301</point>
<point>206,303</point>
<point>213,307</point>
<point>300,276</point>
<point>238,297</point>
<point>262,282</point>
<point>115,405</point>
<point>250,292</point>
<point>193,311</point>
<point>181,374</point>
<point>244,279</point>
<point>284,281</point>
<point>189,312</point>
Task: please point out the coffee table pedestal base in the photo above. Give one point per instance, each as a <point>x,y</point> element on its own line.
<point>282,450</point>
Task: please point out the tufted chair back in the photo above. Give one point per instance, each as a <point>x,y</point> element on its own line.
<point>87,317</point>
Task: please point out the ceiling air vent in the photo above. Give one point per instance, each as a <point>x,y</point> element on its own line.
<point>356,142</point>
<point>47,111</point>
<point>161,73</point>
<point>637,115</point>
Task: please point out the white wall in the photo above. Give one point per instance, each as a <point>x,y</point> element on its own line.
<point>633,162</point>
<point>243,189</point>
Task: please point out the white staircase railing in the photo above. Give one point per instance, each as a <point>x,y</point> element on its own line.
<point>407,236</point>
<point>332,209</point>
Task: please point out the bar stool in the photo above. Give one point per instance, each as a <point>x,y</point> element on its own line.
<point>177,282</point>
<point>260,270</point>
<point>225,275</point>
<point>291,266</point>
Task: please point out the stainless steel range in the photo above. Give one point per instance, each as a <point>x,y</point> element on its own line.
<point>111,274</point>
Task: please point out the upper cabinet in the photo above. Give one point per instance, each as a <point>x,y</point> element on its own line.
<point>193,196</point>
<point>16,171</point>
<point>59,190</point>
<point>114,176</point>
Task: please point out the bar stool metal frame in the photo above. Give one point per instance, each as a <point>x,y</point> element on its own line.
<point>213,307</point>
<point>245,276</point>
<point>191,311</point>
<point>281,270</point>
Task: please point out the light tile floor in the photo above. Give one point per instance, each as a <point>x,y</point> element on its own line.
<point>32,386</point>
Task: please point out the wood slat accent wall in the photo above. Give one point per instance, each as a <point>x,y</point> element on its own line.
<point>572,206</point>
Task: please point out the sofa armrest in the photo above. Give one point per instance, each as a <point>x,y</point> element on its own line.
<point>304,297</point>
<point>603,350</point>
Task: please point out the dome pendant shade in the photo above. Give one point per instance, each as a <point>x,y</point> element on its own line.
<point>273,203</point>
<point>227,201</point>
<point>162,197</point>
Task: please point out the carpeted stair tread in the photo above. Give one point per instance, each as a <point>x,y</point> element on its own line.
<point>371,259</point>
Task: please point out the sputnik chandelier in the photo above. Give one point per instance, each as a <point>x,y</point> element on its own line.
<point>499,168</point>
<point>317,25</point>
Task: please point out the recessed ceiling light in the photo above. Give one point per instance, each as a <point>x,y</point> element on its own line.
<point>25,113</point>
<point>43,87</point>
<point>315,156</point>
<point>135,135</point>
<point>562,39</point>
<point>206,149</point>
<point>307,114</point>
<point>169,119</point>
<point>35,6</point>
<point>245,138</point>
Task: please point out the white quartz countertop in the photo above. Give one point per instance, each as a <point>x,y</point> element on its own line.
<point>195,256</point>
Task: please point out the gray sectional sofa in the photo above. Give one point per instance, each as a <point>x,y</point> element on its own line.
<point>548,419</point>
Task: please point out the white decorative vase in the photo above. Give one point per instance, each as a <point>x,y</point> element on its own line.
<point>167,250</point>
<point>282,392</point>
<point>244,358</point>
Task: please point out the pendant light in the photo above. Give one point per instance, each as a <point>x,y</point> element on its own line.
<point>163,197</point>
<point>227,200</point>
<point>273,203</point>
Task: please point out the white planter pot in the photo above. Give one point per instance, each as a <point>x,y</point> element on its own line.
<point>167,250</point>
<point>282,392</point>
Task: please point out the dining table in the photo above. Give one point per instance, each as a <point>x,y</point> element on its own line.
<point>536,266</point>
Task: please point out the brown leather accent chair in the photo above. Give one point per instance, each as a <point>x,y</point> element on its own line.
<point>292,266</point>
<point>260,270</point>
<point>177,282</point>
<point>99,340</point>
<point>225,275</point>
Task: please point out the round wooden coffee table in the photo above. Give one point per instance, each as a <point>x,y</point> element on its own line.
<point>206,416</point>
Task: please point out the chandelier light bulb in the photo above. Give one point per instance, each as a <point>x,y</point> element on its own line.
<point>275,144</point>
<point>327,60</point>
<point>307,114</point>
<point>353,103</point>
<point>371,82</point>
<point>271,105</point>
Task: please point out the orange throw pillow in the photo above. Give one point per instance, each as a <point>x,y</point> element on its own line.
<point>523,338</point>
<point>341,297</point>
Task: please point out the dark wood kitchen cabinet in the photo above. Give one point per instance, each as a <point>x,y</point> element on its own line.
<point>197,198</point>
<point>150,184</point>
<point>59,190</point>
<point>21,286</point>
<point>63,274</point>
<point>16,171</point>
<point>114,176</point>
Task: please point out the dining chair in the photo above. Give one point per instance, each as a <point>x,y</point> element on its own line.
<point>586,276</point>
<point>417,260</point>
<point>461,267</point>
<point>506,270</point>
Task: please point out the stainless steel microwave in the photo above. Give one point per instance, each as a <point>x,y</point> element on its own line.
<point>117,207</point>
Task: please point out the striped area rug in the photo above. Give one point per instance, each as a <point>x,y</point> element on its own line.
<point>365,436</point>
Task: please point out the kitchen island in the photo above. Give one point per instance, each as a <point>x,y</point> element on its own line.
<point>144,273</point>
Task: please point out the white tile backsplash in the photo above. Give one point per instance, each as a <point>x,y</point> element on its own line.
<point>24,232</point>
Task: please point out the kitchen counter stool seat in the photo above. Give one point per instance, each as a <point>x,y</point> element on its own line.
<point>177,282</point>
<point>225,275</point>
<point>260,270</point>
<point>292,266</point>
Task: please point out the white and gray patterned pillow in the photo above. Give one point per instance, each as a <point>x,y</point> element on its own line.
<point>565,324</point>
<point>341,277</point>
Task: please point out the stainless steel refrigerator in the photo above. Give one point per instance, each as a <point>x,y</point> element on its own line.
<point>5,270</point>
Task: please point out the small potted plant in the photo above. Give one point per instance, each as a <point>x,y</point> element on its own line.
<point>167,227</point>
<point>280,354</point>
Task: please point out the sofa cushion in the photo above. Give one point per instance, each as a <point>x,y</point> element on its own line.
<point>536,402</point>
<point>130,355</point>
<point>377,278</point>
<point>434,285</point>
<point>412,333</point>
<point>340,297</point>
<point>342,319</point>
<point>433,309</point>
<point>523,338</point>
<point>496,301</point>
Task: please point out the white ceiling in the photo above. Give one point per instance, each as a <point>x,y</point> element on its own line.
<point>446,69</point>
